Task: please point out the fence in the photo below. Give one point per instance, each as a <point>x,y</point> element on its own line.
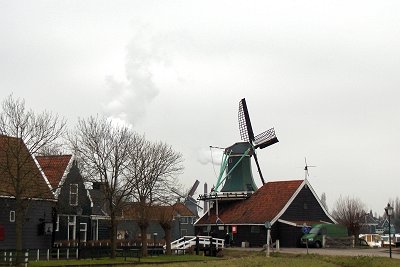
<point>9,257</point>
<point>339,242</point>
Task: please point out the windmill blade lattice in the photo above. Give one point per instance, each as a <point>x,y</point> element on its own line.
<point>265,139</point>
<point>245,129</point>
<point>261,141</point>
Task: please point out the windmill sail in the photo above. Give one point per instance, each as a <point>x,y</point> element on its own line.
<point>265,139</point>
<point>245,129</point>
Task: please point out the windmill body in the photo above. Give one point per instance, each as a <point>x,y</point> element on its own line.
<point>239,175</point>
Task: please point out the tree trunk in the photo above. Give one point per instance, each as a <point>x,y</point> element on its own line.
<point>167,232</point>
<point>113,237</point>
<point>19,217</point>
<point>143,231</point>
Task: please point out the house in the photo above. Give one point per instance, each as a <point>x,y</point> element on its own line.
<point>287,205</point>
<point>369,224</point>
<point>179,217</point>
<point>38,201</point>
<point>79,214</point>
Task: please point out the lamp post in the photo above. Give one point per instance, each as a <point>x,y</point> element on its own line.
<point>79,213</point>
<point>154,243</point>
<point>389,212</point>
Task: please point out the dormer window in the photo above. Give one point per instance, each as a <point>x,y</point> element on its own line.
<point>73,194</point>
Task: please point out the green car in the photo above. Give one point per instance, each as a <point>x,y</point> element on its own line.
<point>314,236</point>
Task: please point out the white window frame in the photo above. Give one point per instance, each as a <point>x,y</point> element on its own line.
<point>12,215</point>
<point>73,194</point>
<point>95,230</point>
<point>83,228</point>
<point>58,223</point>
<point>72,223</point>
<point>184,220</point>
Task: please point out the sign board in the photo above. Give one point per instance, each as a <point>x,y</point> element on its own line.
<point>305,229</point>
<point>234,229</point>
<point>48,228</point>
<point>1,233</point>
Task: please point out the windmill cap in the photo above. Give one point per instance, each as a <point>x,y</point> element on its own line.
<point>239,149</point>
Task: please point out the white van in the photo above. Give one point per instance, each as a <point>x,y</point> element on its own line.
<point>373,240</point>
<point>395,240</point>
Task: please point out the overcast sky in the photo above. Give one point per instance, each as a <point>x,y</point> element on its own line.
<point>325,74</point>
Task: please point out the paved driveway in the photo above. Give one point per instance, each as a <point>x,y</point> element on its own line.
<point>376,252</point>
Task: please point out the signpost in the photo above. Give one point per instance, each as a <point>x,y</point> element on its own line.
<point>306,229</point>
<point>267,225</point>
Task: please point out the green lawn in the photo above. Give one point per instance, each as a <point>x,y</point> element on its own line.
<point>238,259</point>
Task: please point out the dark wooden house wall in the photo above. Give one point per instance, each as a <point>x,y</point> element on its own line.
<point>33,235</point>
<point>244,234</point>
<point>305,207</point>
<point>288,235</point>
<point>64,208</point>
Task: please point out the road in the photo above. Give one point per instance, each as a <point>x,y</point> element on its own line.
<point>376,252</point>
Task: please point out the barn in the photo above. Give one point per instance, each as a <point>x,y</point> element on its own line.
<point>287,205</point>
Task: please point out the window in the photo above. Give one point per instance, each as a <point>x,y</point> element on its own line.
<point>12,216</point>
<point>58,223</point>
<point>305,206</point>
<point>255,229</point>
<point>71,227</point>
<point>83,231</point>
<point>184,220</point>
<point>95,229</point>
<point>73,194</point>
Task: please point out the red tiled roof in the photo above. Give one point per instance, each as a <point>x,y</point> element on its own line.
<point>182,209</point>
<point>16,161</point>
<point>132,211</point>
<point>264,205</point>
<point>54,167</point>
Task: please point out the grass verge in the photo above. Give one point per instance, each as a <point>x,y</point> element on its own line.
<point>237,259</point>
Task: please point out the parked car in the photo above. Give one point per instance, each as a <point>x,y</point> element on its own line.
<point>395,240</point>
<point>314,237</point>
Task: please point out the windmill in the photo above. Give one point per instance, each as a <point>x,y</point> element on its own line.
<point>236,160</point>
<point>189,201</point>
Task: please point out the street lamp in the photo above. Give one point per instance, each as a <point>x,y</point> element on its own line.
<point>389,212</point>
<point>79,213</point>
<point>154,243</point>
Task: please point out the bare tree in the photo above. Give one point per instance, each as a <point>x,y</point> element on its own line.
<point>24,133</point>
<point>323,200</point>
<point>153,170</point>
<point>349,212</point>
<point>103,150</point>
